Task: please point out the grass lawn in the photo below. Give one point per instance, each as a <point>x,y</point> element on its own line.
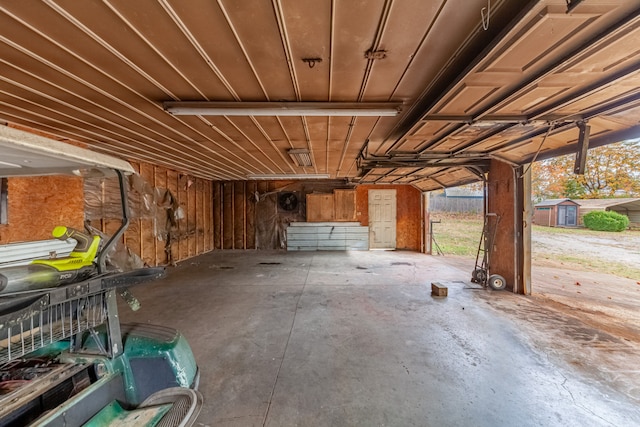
<point>459,234</point>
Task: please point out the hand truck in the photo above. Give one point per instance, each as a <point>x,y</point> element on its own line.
<point>481,273</point>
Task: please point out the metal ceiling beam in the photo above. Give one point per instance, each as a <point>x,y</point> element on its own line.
<point>621,104</point>
<point>484,137</point>
<point>477,172</point>
<point>556,65</point>
<point>613,107</point>
<point>470,120</point>
<point>606,139</point>
<point>602,109</point>
<point>483,163</point>
<point>533,134</point>
<point>463,122</point>
<point>435,142</point>
<point>484,42</point>
<point>589,90</point>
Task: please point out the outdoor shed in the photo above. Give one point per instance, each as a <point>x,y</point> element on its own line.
<point>556,213</point>
<point>625,206</point>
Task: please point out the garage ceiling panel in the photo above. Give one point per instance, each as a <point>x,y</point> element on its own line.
<point>458,101</point>
<point>98,72</point>
<point>546,30</point>
<point>353,32</point>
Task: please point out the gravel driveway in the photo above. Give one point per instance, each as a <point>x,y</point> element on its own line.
<point>621,247</point>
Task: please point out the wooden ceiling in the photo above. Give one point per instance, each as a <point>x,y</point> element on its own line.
<point>477,79</point>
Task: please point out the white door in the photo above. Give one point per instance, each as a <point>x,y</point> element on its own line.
<point>382,219</point>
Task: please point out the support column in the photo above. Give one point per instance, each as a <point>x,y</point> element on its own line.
<point>426,224</point>
<point>527,215</point>
<point>508,198</point>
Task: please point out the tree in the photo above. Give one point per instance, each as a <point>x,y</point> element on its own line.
<point>612,171</point>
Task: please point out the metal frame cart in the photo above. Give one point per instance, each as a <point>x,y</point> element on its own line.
<point>482,272</point>
<point>65,358</point>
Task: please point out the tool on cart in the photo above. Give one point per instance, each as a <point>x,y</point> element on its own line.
<point>48,273</point>
<point>482,272</point>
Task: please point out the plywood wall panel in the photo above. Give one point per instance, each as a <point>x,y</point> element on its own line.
<point>320,207</point>
<point>248,210</point>
<point>344,205</point>
<point>38,204</point>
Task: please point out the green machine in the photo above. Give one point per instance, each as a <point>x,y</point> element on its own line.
<point>65,359</point>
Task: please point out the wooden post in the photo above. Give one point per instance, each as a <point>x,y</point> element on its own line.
<point>527,213</point>
<point>509,193</point>
<point>426,225</point>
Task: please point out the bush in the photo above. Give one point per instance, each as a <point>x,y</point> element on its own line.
<point>606,221</point>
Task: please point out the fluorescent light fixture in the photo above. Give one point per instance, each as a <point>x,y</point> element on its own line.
<point>326,109</point>
<point>276,176</point>
<point>300,156</point>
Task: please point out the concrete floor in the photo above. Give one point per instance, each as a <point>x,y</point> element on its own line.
<point>355,338</point>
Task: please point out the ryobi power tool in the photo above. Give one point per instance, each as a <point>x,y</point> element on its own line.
<point>52,272</point>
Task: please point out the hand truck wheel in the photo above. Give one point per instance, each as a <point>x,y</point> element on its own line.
<point>479,275</point>
<point>497,282</point>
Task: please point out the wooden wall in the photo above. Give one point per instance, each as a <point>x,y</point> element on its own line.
<point>242,221</point>
<point>190,236</point>
<point>338,206</point>
<point>501,201</point>
<point>37,204</point>
<point>234,213</point>
<point>217,215</point>
<point>408,213</point>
